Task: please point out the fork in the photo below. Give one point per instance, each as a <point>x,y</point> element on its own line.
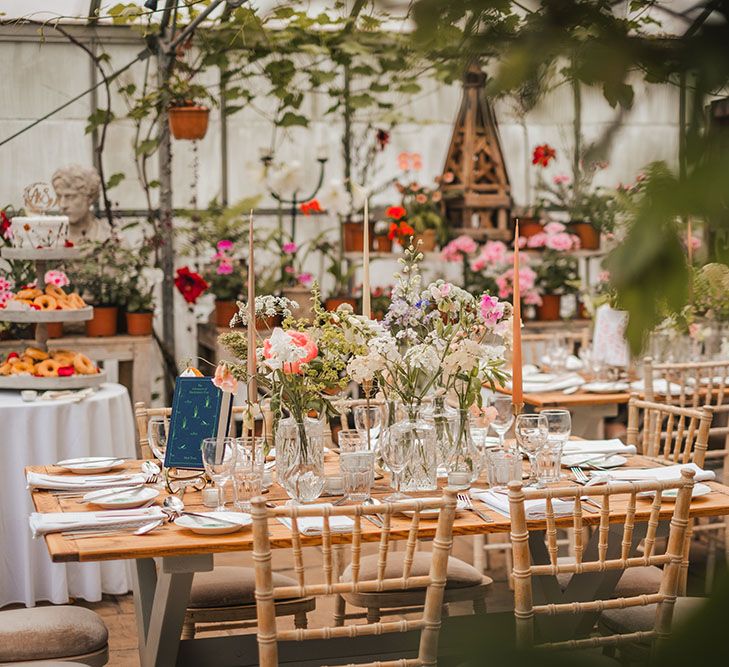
<point>580,476</point>
<point>465,499</point>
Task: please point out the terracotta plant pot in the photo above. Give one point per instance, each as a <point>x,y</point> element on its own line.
<point>55,329</point>
<point>139,324</point>
<point>382,243</point>
<point>529,227</point>
<point>188,122</point>
<point>224,311</point>
<point>428,239</point>
<point>378,315</point>
<point>267,323</point>
<point>103,323</point>
<point>589,236</point>
<point>333,302</point>
<point>353,236</point>
<point>549,310</point>
<point>302,296</point>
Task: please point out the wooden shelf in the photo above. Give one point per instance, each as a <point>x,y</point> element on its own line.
<point>37,316</point>
<point>41,254</point>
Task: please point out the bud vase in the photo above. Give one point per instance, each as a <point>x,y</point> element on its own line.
<point>464,459</point>
<point>300,459</point>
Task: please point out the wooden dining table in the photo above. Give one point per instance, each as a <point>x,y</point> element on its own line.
<point>166,560</point>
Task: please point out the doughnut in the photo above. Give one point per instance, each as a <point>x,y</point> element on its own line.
<point>36,354</point>
<point>45,302</point>
<point>76,301</point>
<point>64,304</point>
<point>83,365</point>
<point>47,368</point>
<point>63,357</point>
<point>22,367</point>
<point>55,291</point>
<point>28,294</point>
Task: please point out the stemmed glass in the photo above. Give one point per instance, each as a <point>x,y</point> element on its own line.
<point>559,424</point>
<point>395,447</point>
<point>504,416</point>
<point>218,455</point>
<point>368,422</point>
<point>157,432</point>
<point>531,433</point>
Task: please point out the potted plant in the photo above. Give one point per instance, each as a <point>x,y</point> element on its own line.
<point>187,117</point>
<point>422,210</point>
<point>380,301</point>
<point>557,274</point>
<point>342,271</point>
<point>225,276</point>
<point>381,242</point>
<point>97,276</point>
<point>295,281</point>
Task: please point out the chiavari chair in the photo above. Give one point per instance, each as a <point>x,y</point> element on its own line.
<point>434,581</point>
<point>620,625</point>
<point>535,345</point>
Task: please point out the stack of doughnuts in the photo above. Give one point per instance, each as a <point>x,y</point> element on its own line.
<point>53,298</point>
<point>55,363</point>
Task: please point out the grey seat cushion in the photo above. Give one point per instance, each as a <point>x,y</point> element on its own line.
<point>460,577</point>
<point>47,633</point>
<point>642,619</point>
<point>634,581</point>
<point>229,586</point>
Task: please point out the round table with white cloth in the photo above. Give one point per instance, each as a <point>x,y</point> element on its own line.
<point>41,433</point>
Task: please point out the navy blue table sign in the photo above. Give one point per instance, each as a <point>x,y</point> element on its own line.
<point>199,410</point>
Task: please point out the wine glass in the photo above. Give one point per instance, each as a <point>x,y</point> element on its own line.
<point>218,455</point>
<point>368,422</point>
<point>157,432</point>
<point>531,433</point>
<point>559,425</point>
<point>503,417</point>
<point>395,448</point>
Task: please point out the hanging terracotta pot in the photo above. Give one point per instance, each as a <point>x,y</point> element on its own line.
<point>589,236</point>
<point>103,323</point>
<point>529,226</point>
<point>548,311</point>
<point>139,324</point>
<point>382,243</point>
<point>55,329</point>
<point>428,239</point>
<point>190,122</point>
<point>224,311</point>
<point>353,236</point>
<point>333,302</point>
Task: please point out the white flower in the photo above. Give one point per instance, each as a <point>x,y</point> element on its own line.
<point>282,350</point>
<point>425,357</point>
<point>335,198</point>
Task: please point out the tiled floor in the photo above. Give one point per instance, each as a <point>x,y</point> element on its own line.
<point>118,611</point>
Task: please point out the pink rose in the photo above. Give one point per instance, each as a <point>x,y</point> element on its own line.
<point>224,379</point>
<point>224,245</point>
<point>561,242</point>
<point>460,245</point>
<point>554,227</point>
<point>539,240</point>
<point>421,198</point>
<point>289,248</point>
<point>225,268</point>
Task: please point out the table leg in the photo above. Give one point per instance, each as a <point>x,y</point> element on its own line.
<point>161,594</point>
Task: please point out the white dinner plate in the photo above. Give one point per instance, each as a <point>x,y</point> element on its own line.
<point>213,527</point>
<point>90,464</point>
<point>124,498</point>
<point>671,494</point>
<point>605,387</point>
<point>580,461</point>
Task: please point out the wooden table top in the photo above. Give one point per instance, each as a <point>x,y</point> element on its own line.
<point>580,399</point>
<point>172,540</point>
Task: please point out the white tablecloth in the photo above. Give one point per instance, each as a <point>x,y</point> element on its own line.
<point>41,433</point>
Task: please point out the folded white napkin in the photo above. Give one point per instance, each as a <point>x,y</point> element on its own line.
<point>605,387</point>
<point>659,472</point>
<point>314,525</point>
<point>56,522</point>
<point>535,509</point>
<point>572,363</point>
<point>529,369</point>
<point>36,480</point>
<point>561,382</point>
<point>661,387</point>
<point>614,446</point>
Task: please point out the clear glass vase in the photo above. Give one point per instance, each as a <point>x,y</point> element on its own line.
<point>464,458</point>
<point>300,459</point>
<point>420,473</point>
<point>443,419</point>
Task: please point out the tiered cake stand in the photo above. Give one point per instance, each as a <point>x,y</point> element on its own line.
<point>42,259</point>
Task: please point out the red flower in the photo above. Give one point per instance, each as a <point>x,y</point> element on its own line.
<point>543,155</point>
<point>65,371</point>
<point>4,225</point>
<point>309,207</point>
<point>68,244</point>
<point>400,231</point>
<point>395,212</point>
<point>190,284</point>
<point>382,138</point>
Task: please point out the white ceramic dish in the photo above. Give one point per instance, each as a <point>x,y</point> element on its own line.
<point>90,464</point>
<point>124,499</point>
<point>671,494</point>
<point>213,527</point>
<point>581,461</point>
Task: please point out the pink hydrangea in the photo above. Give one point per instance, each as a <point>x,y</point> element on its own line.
<point>554,228</point>
<point>462,245</point>
<point>225,245</point>
<point>4,298</point>
<point>5,284</point>
<point>494,252</point>
<point>57,278</point>
<point>289,248</point>
<point>539,240</point>
<point>225,268</point>
<point>562,242</point>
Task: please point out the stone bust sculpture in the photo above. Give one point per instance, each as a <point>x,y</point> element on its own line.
<point>77,188</point>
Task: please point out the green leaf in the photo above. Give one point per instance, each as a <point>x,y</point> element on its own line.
<point>290,119</point>
<point>114,180</point>
<point>147,147</point>
<point>98,118</point>
<point>409,88</point>
<point>361,101</point>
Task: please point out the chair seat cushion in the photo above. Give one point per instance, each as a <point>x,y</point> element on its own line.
<point>459,575</point>
<point>642,619</point>
<point>229,586</point>
<point>634,581</point>
<point>47,633</point>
